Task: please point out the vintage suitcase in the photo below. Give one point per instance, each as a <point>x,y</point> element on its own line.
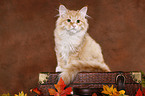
<point>88,83</point>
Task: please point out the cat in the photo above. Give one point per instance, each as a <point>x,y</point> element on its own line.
<point>75,50</point>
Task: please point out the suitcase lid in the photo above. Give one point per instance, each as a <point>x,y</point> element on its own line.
<point>92,77</point>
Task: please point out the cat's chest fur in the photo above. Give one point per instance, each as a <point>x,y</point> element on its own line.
<point>69,43</point>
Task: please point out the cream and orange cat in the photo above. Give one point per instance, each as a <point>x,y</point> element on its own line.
<point>76,51</point>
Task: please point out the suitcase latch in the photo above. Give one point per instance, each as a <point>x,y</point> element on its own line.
<point>120,81</point>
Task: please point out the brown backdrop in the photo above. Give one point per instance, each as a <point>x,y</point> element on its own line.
<point>27,42</point>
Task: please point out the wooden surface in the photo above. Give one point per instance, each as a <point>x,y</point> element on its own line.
<point>27,42</point>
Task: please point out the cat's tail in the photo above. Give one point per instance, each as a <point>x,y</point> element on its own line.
<point>71,70</point>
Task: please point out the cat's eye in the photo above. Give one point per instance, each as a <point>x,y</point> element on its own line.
<point>78,21</point>
<point>68,20</point>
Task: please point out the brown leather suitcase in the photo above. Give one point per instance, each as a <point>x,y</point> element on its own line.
<point>89,83</point>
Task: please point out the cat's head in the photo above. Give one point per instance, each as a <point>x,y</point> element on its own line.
<point>72,21</point>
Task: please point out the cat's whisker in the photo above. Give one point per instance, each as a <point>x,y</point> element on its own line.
<point>56,15</point>
<point>87,16</point>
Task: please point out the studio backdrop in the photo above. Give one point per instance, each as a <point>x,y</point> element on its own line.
<point>27,37</point>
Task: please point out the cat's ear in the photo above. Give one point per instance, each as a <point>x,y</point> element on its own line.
<point>62,10</point>
<point>83,11</point>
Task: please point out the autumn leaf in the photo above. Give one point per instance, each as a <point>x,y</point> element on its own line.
<point>139,93</point>
<point>52,91</point>
<point>106,89</point>
<point>60,89</point>
<point>94,94</point>
<point>36,90</point>
<point>6,94</point>
<point>122,92</point>
<point>110,90</point>
<point>21,94</point>
<point>115,92</point>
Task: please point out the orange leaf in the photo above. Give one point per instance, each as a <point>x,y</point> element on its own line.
<point>139,93</point>
<point>36,90</point>
<point>57,94</point>
<point>60,85</point>
<point>60,88</point>
<point>52,91</point>
<point>94,94</point>
<point>67,91</point>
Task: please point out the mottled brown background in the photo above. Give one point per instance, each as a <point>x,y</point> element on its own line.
<point>27,42</point>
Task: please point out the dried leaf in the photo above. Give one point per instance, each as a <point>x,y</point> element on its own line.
<point>94,94</point>
<point>60,85</point>
<point>139,93</point>
<point>36,90</point>
<point>110,90</point>
<point>6,94</point>
<point>122,92</point>
<point>60,88</point>
<point>52,91</point>
<point>21,94</point>
<point>67,91</point>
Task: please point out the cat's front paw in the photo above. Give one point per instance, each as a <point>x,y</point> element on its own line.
<point>58,69</point>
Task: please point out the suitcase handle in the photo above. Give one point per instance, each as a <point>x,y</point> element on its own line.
<point>120,81</point>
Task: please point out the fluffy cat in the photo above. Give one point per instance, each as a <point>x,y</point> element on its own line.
<point>76,51</point>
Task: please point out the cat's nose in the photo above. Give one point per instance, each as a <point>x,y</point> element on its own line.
<point>74,25</point>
